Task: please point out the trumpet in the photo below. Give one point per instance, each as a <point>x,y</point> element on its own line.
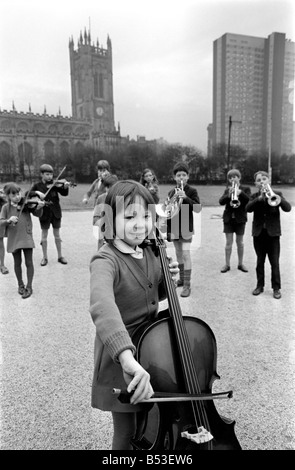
<point>171,206</point>
<point>272,198</point>
<point>234,196</point>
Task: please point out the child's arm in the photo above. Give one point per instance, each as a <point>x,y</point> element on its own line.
<point>4,220</point>
<point>254,200</point>
<point>284,205</point>
<point>103,308</point>
<point>136,377</point>
<point>225,198</point>
<point>63,190</point>
<point>89,193</point>
<point>38,210</point>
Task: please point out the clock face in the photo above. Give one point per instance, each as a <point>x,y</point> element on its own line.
<point>99,111</point>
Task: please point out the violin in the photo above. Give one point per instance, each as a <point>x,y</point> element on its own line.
<point>179,352</point>
<point>61,183</point>
<point>32,202</point>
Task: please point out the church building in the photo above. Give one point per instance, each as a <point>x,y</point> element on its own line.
<point>27,139</point>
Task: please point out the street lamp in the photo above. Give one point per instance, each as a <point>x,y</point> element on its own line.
<point>230,122</point>
<point>269,169</point>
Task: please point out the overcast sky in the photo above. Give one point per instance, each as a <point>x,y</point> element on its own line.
<point>162,56</point>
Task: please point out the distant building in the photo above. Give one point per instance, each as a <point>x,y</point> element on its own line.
<point>28,139</point>
<point>209,139</point>
<point>253,81</point>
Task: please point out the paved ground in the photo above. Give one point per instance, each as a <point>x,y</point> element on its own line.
<point>46,343</point>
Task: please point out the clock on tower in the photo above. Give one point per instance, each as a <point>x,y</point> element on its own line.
<point>99,111</point>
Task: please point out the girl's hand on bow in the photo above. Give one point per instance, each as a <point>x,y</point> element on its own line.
<point>136,377</point>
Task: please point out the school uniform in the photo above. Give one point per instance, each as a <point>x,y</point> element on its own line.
<point>234,219</point>
<point>123,291</point>
<point>53,210</point>
<point>181,226</point>
<point>266,232</point>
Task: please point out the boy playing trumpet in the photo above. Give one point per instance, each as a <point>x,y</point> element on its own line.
<point>180,229</point>
<point>235,198</point>
<point>266,232</point>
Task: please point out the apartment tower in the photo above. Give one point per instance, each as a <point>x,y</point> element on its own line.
<point>253,86</point>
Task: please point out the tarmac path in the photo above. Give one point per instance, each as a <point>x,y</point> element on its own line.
<point>46,342</point>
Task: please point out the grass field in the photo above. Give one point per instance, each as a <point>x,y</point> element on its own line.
<point>209,195</point>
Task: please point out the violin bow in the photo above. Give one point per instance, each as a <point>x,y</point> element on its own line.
<point>56,179</point>
<point>124,396</point>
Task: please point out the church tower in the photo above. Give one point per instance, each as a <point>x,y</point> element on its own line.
<point>92,83</point>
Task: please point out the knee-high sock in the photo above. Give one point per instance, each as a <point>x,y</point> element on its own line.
<point>227,255</point>
<point>187,277</point>
<point>240,250</point>
<point>181,271</point>
<point>44,244</point>
<point>58,246</point>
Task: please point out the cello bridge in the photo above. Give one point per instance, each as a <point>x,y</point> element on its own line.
<point>199,437</point>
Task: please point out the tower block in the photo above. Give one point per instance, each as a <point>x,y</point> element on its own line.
<point>92,83</point>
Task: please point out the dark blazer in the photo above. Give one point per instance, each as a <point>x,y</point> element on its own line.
<point>240,212</point>
<point>53,196</point>
<point>266,216</point>
<point>183,224</point>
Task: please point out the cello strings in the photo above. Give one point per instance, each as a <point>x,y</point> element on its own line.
<point>181,333</point>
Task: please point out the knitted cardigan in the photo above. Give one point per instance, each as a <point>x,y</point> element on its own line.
<point>122,297</point>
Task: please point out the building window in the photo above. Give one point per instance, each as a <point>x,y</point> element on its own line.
<point>96,85</point>
<point>100,85</point>
<point>49,149</point>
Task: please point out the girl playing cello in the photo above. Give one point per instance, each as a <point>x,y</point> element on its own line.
<point>125,288</point>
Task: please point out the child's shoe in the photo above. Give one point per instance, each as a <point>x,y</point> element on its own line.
<point>21,289</point>
<point>186,291</point>
<point>27,293</point>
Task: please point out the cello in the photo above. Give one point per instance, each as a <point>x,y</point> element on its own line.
<point>179,352</point>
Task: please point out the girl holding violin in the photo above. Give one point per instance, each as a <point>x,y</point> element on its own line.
<point>126,285</point>
<point>52,213</point>
<point>16,218</point>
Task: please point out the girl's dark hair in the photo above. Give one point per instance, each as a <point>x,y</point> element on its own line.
<point>11,188</point>
<point>146,170</point>
<point>122,194</point>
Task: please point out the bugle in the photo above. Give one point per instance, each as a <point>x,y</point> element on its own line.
<point>272,198</point>
<point>171,206</point>
<point>234,196</point>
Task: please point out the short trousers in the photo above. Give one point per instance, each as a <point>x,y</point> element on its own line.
<point>54,221</point>
<point>234,227</point>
